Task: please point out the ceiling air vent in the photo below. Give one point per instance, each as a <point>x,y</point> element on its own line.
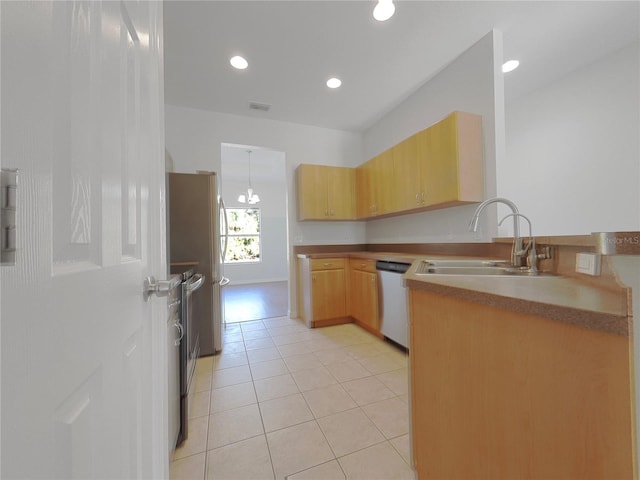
<point>264,107</point>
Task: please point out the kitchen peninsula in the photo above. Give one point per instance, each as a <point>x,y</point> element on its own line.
<point>516,377</point>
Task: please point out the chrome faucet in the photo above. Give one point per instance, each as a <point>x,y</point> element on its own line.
<point>517,252</point>
<point>529,252</point>
<point>530,249</point>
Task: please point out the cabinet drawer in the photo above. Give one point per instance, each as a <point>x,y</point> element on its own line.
<point>326,263</point>
<point>363,264</point>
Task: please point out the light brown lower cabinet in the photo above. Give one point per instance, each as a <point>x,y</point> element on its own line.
<point>322,291</point>
<point>504,395</point>
<point>363,294</point>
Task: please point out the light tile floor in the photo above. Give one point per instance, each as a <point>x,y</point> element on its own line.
<point>286,402</point>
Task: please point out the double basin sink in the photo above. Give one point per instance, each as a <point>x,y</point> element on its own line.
<point>481,267</point>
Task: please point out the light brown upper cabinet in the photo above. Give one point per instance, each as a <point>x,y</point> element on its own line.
<point>451,153</point>
<point>440,166</point>
<point>408,175</point>
<point>364,192</point>
<point>374,190</point>
<point>325,192</point>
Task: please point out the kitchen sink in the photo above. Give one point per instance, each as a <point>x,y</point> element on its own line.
<point>480,267</point>
<point>466,262</point>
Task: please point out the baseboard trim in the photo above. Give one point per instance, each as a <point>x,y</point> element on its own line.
<point>368,328</point>
<point>328,322</point>
<point>252,282</point>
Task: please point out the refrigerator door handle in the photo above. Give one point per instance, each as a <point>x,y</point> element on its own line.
<point>223,252</point>
<point>196,283</point>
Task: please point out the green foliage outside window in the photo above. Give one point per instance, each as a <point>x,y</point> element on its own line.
<point>243,241</point>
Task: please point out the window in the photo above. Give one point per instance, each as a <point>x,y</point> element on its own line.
<point>243,240</point>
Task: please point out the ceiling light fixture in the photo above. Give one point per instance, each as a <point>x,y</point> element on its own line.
<point>334,82</point>
<point>510,66</point>
<point>238,62</point>
<point>250,196</point>
<point>384,10</point>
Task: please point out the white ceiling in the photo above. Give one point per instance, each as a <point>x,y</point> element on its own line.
<point>293,47</point>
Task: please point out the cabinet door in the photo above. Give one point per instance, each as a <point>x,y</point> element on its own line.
<point>383,183</point>
<point>370,300</point>
<point>341,195</point>
<point>328,294</point>
<point>438,145</point>
<point>364,190</point>
<point>311,188</point>
<point>364,298</point>
<point>450,153</point>
<point>406,176</point>
<point>377,180</point>
<point>504,395</point>
<point>355,294</point>
<point>367,183</point>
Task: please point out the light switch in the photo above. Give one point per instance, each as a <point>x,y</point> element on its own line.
<point>588,263</point>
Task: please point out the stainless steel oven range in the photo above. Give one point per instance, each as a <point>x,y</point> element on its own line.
<point>189,346</point>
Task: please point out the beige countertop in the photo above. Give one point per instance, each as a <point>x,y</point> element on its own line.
<point>563,299</point>
<point>386,256</point>
<point>566,299</point>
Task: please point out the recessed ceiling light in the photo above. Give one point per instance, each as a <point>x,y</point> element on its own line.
<point>509,66</point>
<point>384,10</point>
<point>238,62</point>
<point>334,82</point>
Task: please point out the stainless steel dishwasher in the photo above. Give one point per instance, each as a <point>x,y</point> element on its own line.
<point>394,320</point>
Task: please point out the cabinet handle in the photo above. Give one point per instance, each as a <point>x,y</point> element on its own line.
<point>327,264</point>
<point>422,197</point>
<point>417,198</point>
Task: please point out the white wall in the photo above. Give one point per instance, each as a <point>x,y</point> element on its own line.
<point>473,83</point>
<point>193,139</point>
<point>573,150</point>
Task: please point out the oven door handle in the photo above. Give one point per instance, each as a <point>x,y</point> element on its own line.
<point>180,329</point>
<point>195,283</point>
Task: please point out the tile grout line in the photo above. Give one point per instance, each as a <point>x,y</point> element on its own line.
<point>344,346</point>
<point>315,420</point>
<point>264,429</point>
<point>206,443</point>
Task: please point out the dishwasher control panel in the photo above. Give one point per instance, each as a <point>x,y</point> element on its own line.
<point>397,267</point>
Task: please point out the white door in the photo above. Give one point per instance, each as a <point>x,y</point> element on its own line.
<point>83,355</point>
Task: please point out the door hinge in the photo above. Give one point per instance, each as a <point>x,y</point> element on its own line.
<point>8,210</point>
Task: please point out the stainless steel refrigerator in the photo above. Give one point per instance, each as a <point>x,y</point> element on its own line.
<point>195,212</point>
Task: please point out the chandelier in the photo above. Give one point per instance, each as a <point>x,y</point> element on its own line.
<point>249,196</point>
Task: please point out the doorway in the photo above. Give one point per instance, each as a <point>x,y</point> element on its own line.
<point>257,257</point>
<point>256,301</point>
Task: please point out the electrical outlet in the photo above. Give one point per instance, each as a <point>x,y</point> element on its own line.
<point>588,263</point>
